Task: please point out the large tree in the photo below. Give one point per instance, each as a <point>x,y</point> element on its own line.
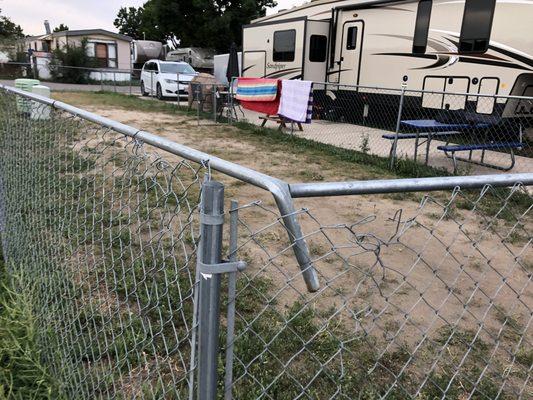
<point>8,29</point>
<point>129,21</point>
<point>201,23</point>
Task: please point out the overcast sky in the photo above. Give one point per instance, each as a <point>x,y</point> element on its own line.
<point>77,14</point>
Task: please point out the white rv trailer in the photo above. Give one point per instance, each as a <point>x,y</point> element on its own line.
<point>142,51</point>
<point>200,59</point>
<point>475,46</point>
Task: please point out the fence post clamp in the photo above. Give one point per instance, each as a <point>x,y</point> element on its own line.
<point>225,267</point>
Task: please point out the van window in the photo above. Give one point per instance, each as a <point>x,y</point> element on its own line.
<point>284,45</point>
<point>423,17</point>
<point>318,48</point>
<point>477,26</point>
<point>351,40</point>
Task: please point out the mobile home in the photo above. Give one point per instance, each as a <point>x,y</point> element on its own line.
<point>474,46</point>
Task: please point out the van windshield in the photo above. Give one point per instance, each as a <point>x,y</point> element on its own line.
<point>175,68</point>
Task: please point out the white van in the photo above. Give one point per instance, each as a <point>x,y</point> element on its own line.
<point>161,78</point>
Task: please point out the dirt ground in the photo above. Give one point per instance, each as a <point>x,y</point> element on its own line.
<point>407,265</point>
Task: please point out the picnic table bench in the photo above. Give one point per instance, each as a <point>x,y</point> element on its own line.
<point>452,149</point>
<point>278,120</point>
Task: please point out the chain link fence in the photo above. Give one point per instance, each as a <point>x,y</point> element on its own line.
<point>432,300</point>
<point>71,78</point>
<point>148,283</point>
<point>451,131</point>
<point>102,230</point>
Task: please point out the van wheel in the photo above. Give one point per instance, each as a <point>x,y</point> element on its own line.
<point>143,89</point>
<point>159,92</point>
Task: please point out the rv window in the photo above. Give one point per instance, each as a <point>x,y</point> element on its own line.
<point>423,18</point>
<point>477,25</point>
<point>284,45</point>
<point>351,40</point>
<point>318,48</point>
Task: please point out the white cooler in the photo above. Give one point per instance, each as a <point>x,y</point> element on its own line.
<point>40,111</point>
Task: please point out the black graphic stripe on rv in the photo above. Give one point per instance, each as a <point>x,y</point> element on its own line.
<point>246,69</point>
<point>426,56</point>
<point>517,57</point>
<point>337,72</point>
<point>443,60</point>
<point>506,64</point>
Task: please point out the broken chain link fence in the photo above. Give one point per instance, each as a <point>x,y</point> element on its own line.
<point>417,295</point>
<point>422,296</point>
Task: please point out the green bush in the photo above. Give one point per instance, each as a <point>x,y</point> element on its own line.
<point>74,57</point>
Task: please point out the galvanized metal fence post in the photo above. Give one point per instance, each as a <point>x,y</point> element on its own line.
<point>198,103</point>
<point>210,253</point>
<point>151,83</point>
<point>215,103</point>
<point>398,125</point>
<point>178,91</point>
<point>232,99</point>
<point>232,291</point>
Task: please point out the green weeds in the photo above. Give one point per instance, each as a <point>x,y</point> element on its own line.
<point>23,375</point>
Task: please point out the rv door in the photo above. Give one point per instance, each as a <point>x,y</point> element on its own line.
<point>349,52</point>
<point>316,51</point>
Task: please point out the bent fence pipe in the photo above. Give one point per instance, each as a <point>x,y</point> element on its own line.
<point>278,189</point>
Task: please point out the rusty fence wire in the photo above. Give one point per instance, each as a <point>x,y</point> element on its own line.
<point>147,282</point>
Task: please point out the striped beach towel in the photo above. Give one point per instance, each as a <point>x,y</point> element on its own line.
<point>255,89</point>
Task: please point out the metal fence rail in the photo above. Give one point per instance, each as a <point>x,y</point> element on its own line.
<point>145,287</point>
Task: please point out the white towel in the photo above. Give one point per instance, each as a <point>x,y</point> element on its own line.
<point>294,101</point>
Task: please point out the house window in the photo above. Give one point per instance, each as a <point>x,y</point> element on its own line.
<point>423,17</point>
<point>47,46</point>
<point>284,45</point>
<point>351,39</point>
<point>477,26</point>
<point>104,53</point>
<point>318,47</point>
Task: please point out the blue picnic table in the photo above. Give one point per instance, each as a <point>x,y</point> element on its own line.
<point>430,129</point>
